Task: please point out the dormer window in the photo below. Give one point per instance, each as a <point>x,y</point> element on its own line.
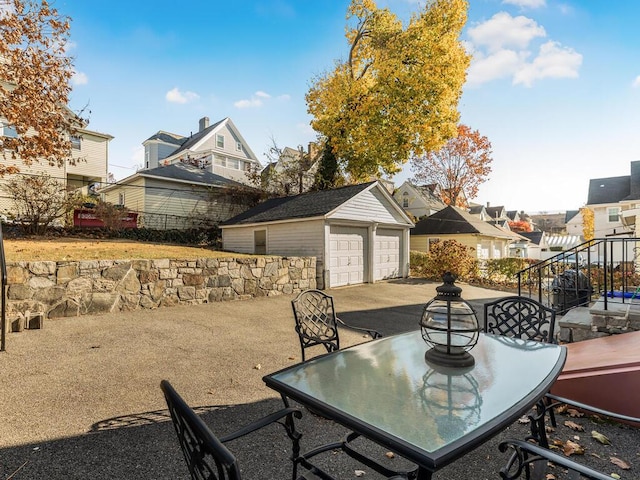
<point>405,200</point>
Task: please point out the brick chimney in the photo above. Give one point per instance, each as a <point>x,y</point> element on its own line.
<point>204,123</point>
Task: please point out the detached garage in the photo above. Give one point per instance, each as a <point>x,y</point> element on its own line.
<point>358,234</point>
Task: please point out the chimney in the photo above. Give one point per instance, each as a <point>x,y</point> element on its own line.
<point>204,123</point>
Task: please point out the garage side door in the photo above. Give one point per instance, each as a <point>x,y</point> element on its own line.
<point>387,254</point>
<point>347,254</point>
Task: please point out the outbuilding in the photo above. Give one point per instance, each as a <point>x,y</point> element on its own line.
<point>358,233</point>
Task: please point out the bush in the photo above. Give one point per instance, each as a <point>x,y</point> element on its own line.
<point>505,270</point>
<point>445,256</point>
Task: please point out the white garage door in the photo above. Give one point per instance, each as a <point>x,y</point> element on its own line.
<point>387,254</point>
<point>347,247</point>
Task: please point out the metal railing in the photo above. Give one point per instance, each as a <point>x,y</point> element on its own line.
<point>604,268</point>
<point>3,285</point>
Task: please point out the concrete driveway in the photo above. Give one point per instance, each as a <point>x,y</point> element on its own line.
<point>81,398</point>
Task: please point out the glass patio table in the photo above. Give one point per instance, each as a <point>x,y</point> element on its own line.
<point>385,391</point>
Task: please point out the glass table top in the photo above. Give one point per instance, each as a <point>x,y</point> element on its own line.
<point>386,384</point>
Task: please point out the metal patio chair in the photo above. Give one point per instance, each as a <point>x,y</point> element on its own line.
<point>205,454</point>
<point>317,322</point>
<point>520,317</point>
<point>531,460</point>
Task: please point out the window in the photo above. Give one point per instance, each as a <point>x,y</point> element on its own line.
<point>239,146</point>
<point>405,200</point>
<point>75,142</point>
<point>260,242</point>
<point>220,141</point>
<point>614,214</point>
<point>233,163</point>
<point>8,131</point>
<point>121,198</point>
<point>221,161</point>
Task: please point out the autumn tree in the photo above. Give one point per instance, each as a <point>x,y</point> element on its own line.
<point>458,168</point>
<point>34,84</point>
<point>588,225</point>
<point>520,226</point>
<point>397,92</point>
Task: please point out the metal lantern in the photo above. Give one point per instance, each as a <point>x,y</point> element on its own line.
<point>450,326</point>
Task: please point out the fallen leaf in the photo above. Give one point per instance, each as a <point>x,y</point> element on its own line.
<point>359,473</point>
<point>573,426</point>
<point>593,454</point>
<point>572,412</point>
<point>258,367</point>
<point>600,437</point>
<point>616,476</point>
<point>524,419</point>
<point>572,448</point>
<point>390,455</point>
<point>550,476</point>
<point>621,463</point>
<point>292,358</point>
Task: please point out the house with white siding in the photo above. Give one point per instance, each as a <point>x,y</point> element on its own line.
<point>218,148</point>
<point>418,200</point>
<point>89,151</point>
<point>177,196</point>
<point>358,233</point>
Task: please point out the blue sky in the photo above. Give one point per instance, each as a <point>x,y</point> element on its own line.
<point>554,85</point>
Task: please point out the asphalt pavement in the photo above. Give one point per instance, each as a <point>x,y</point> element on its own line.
<point>81,398</point>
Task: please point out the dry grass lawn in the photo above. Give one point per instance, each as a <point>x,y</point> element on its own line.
<point>73,249</point>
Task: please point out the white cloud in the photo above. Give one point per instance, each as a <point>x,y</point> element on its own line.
<point>636,82</point>
<point>176,96</point>
<point>501,64</point>
<point>79,78</point>
<point>502,31</point>
<point>257,100</point>
<point>251,103</point>
<point>526,3</point>
<point>553,61</point>
<point>285,97</point>
<point>501,48</point>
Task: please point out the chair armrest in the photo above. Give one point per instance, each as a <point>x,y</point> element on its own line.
<point>556,400</point>
<point>526,454</point>
<point>263,422</point>
<point>372,333</point>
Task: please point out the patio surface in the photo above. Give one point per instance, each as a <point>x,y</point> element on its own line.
<point>80,399</point>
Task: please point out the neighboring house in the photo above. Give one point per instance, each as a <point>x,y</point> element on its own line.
<point>574,222</point>
<point>358,233</point>
<point>89,148</point>
<point>176,196</point>
<point>535,249</point>
<point>498,216</point>
<point>615,202</point>
<point>487,240</point>
<point>552,223</point>
<point>294,172</point>
<point>218,148</point>
<point>418,200</point>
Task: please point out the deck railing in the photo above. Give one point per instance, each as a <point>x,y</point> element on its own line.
<point>604,268</point>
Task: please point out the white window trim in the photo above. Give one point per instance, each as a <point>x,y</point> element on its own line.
<point>219,140</point>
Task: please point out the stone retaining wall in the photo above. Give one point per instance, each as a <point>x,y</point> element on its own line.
<point>69,289</point>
